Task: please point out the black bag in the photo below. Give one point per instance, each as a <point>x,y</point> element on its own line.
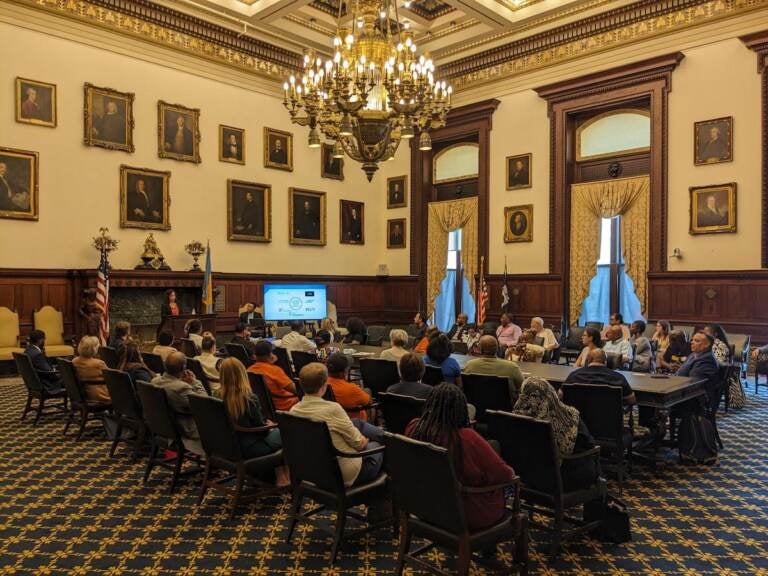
<point>614,519</point>
<point>696,440</point>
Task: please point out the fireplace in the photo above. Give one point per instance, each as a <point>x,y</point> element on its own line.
<point>141,307</point>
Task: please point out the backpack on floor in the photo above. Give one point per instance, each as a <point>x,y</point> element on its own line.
<point>696,440</point>
<point>614,519</point>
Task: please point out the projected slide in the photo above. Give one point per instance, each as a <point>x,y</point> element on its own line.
<point>294,301</point>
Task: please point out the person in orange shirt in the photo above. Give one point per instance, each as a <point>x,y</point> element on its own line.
<point>421,345</point>
<point>347,394</point>
<point>281,387</point>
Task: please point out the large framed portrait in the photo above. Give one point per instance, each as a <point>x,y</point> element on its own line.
<point>713,208</point>
<point>108,116</point>
<point>144,198</point>
<point>18,184</point>
<point>231,144</point>
<point>35,102</point>
<point>518,223</point>
<point>330,167</point>
<point>248,211</point>
<point>396,233</point>
<point>352,218</point>
<point>397,192</point>
<point>306,209</point>
<point>278,149</point>
<point>713,141</point>
<point>519,171</point>
<point>178,132</point>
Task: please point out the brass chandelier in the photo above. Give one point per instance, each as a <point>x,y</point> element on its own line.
<point>373,92</point>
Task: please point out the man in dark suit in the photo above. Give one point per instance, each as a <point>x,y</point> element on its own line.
<point>277,154</point>
<point>143,206</point>
<point>307,223</point>
<point>250,314</point>
<point>519,175</point>
<point>597,372</point>
<point>459,327</point>
<point>519,224</point>
<point>714,148</point>
<point>355,230</point>
<point>243,337</point>
<point>701,364</point>
<point>710,215</point>
<point>6,194</point>
<point>178,138</point>
<point>111,126</point>
<point>251,220</point>
<point>35,351</point>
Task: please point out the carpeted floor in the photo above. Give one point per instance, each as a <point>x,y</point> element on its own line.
<point>66,508</point>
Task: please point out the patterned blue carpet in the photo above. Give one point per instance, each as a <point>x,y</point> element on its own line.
<point>67,508</point>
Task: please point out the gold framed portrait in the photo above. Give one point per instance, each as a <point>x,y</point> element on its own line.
<point>518,223</point>
<point>144,198</point>
<point>351,222</point>
<point>178,132</point>
<point>713,141</point>
<point>19,181</point>
<point>713,209</point>
<point>278,149</point>
<point>330,167</point>
<point>307,217</point>
<point>519,171</point>
<point>35,102</point>
<point>397,192</point>
<point>231,144</point>
<point>108,118</point>
<point>248,211</point>
<point>396,233</point>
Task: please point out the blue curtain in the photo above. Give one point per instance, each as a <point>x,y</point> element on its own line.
<point>445,308</point>
<point>597,305</point>
<point>628,300</point>
<point>467,301</point>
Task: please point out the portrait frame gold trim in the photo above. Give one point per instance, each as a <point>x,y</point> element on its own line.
<point>323,174</point>
<point>54,103</point>
<point>223,127</point>
<point>391,222</point>
<point>731,226</point>
<point>88,139</point>
<point>34,201</point>
<point>362,222</point>
<point>289,138</point>
<point>509,236</point>
<point>166,176</point>
<point>699,125</point>
<point>231,234</point>
<point>404,203</point>
<point>292,192</point>
<point>507,160</point>
<point>163,107</point>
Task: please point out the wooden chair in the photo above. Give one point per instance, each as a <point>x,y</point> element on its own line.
<point>154,362</point>
<point>378,374</point>
<point>188,347</point>
<point>432,375</point>
<point>9,334</point>
<point>400,410</point>
<point>197,370</point>
<point>238,351</point>
<point>428,497</point>
<point>219,436</point>
<point>283,361</point>
<point>51,321</point>
<point>301,359</point>
<point>36,390</point>
<point>110,357</point>
<point>88,410</point>
<point>260,389</point>
<point>127,411</point>
<point>572,346</point>
<point>315,474</point>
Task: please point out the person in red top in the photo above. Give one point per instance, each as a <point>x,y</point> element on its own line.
<point>281,387</point>
<point>445,422</point>
<point>349,395</point>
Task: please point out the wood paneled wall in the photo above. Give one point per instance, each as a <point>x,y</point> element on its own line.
<point>28,290</point>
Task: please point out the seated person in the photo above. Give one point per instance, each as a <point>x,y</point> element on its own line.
<point>590,339</point>
<point>411,372</point>
<point>281,387</point>
<point>329,324</point>
<point>439,355</point>
<point>459,327</point>
<point>325,348</point>
<point>399,340</point>
<point>472,339</point>
<point>208,359</point>
<point>296,340</point>
<point>242,336</point>
<point>120,336</point>
<point>347,435</point>
<point>35,351</point>
<point>676,353</point>
<point>445,422</point>
<point>250,314</point>
<point>701,364</point>
<point>508,333</point>
<point>526,350</point>
<point>539,400</point>
<point>179,383</point>
<point>720,348</point>
<point>130,361</point>
<point>357,331</point>
<point>616,344</point>
<point>349,395</point>
<point>661,336</point>
<point>617,320</point>
<point>489,364</point>
<point>421,345</point>
<point>642,360</point>
<point>419,326</point>
<point>89,368</point>
<point>163,347</point>
<point>193,331</point>
<point>550,342</point>
<point>597,372</point>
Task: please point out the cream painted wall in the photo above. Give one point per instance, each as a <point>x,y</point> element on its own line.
<point>397,259</point>
<point>79,185</point>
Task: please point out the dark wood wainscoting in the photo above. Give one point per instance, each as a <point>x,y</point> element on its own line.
<point>529,295</point>
<point>28,290</point>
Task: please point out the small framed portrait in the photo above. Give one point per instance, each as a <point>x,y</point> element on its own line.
<point>248,211</point>
<point>231,144</point>
<point>713,141</point>
<point>178,132</point>
<point>518,223</point>
<point>278,149</point>
<point>306,209</point>
<point>352,218</point>
<point>396,233</point>
<point>108,118</point>
<point>519,171</point>
<point>18,184</point>
<point>331,167</point>
<point>35,102</point>
<point>144,198</point>
<point>713,208</point>
<point>397,192</point>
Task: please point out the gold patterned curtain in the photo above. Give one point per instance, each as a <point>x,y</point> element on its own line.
<point>591,201</point>
<point>445,217</point>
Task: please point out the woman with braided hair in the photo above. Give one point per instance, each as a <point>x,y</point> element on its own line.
<point>445,422</point>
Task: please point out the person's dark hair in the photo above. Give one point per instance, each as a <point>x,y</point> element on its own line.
<point>594,333</point>
<point>168,295</point>
<point>240,327</point>
<point>122,329</point>
<point>719,332</point>
<point>322,337</point>
<point>194,327</point>
<point>165,338</point>
<point>411,367</point>
<point>439,348</point>
<point>337,364</point>
<point>710,339</point>
<point>297,325</point>
<point>36,337</point>
<point>356,326</point>
<point>677,337</point>
<point>618,316</point>
<point>175,364</point>
<point>640,325</point>
<point>445,413</point>
<point>208,343</point>
<point>666,327</point>
<point>129,354</point>
<point>423,317</point>
<point>262,349</point>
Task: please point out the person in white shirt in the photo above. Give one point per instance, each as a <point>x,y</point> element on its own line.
<point>399,339</point>
<point>550,342</point>
<point>617,344</point>
<point>295,339</point>
<point>208,359</point>
<point>193,329</point>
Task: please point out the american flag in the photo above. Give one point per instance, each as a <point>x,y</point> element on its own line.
<point>102,296</point>
<point>482,299</point>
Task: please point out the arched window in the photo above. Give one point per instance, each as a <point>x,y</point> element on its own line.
<point>457,162</point>
<point>614,133</point>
